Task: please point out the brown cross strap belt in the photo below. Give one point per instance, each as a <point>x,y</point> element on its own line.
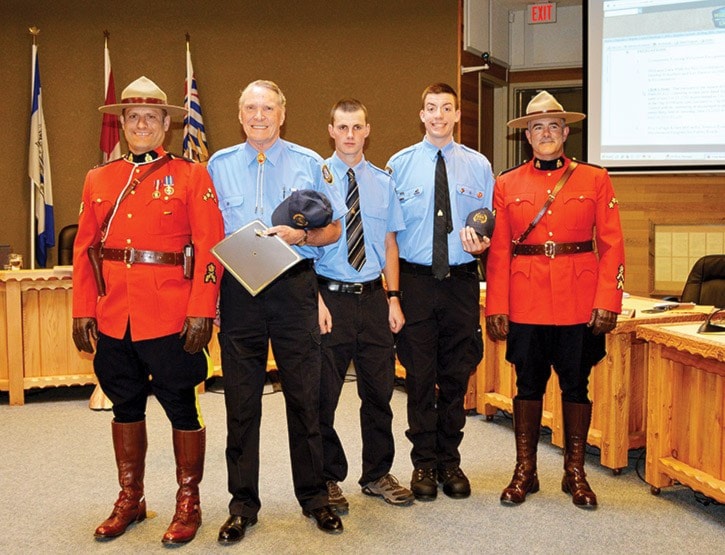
<point>551,249</point>
<point>135,256</point>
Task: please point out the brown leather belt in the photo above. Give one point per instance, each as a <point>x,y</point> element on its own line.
<point>551,249</point>
<point>134,256</point>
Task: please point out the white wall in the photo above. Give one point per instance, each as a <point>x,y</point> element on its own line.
<point>490,26</point>
<point>547,45</point>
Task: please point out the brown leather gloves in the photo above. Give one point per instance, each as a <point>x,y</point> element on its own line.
<point>198,333</point>
<point>602,321</point>
<point>497,326</point>
<point>83,330</point>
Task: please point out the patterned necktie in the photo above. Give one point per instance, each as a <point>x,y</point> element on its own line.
<point>442,224</point>
<point>354,225</point>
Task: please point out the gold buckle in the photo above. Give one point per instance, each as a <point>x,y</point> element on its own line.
<point>128,256</point>
<point>550,249</point>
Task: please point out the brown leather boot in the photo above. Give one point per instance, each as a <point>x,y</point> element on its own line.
<point>129,444</point>
<point>527,425</point>
<point>189,447</point>
<point>577,417</point>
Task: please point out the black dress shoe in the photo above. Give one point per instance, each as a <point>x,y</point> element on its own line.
<point>327,521</point>
<point>455,483</point>
<point>233,529</point>
<point>423,484</point>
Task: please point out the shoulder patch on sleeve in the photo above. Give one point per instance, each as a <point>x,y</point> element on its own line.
<point>327,174</point>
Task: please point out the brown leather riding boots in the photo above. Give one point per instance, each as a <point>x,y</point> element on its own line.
<point>527,425</point>
<point>189,448</point>
<point>577,417</point>
<point>129,445</point>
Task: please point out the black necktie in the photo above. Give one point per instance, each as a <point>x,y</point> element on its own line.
<point>354,224</point>
<point>442,224</point>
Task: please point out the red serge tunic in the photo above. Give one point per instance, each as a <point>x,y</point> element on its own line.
<point>172,206</point>
<point>536,289</point>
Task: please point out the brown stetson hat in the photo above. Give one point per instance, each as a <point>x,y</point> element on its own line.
<point>544,105</point>
<point>142,92</point>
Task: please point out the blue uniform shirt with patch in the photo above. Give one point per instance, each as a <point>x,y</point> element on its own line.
<point>381,214</point>
<point>470,184</point>
<point>287,168</point>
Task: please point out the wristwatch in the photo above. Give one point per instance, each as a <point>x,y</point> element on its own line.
<point>302,242</point>
<point>395,293</point>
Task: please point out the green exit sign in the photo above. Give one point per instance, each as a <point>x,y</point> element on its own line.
<point>543,12</point>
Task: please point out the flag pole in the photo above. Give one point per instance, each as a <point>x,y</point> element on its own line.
<point>34,31</point>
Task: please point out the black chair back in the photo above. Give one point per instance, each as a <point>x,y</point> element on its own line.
<point>66,238</point>
<point>706,283</point>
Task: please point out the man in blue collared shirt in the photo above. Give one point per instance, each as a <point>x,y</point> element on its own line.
<point>441,343</point>
<point>251,180</point>
<point>357,321</point>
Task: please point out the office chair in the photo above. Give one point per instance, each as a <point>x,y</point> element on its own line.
<point>706,283</point>
<point>66,238</point>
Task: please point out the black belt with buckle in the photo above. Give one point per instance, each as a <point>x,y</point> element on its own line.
<point>348,287</point>
<point>421,270</point>
<point>551,249</point>
<point>135,256</point>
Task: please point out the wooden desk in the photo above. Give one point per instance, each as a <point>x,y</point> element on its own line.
<point>686,409</point>
<point>617,386</point>
<point>36,333</point>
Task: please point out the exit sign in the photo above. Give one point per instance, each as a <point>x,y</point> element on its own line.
<point>543,12</point>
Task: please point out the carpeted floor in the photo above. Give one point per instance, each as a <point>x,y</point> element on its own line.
<point>58,482</point>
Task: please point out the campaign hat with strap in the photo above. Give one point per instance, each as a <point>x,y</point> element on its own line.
<point>544,105</point>
<point>142,92</point>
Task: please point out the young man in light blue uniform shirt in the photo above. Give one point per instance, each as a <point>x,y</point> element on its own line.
<point>251,180</point>
<point>357,321</point>
<point>441,343</point>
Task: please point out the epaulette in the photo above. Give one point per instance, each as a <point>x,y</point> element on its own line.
<point>403,152</point>
<point>512,168</point>
<point>104,164</point>
<point>299,149</point>
<point>180,157</point>
<point>377,169</point>
<point>588,164</point>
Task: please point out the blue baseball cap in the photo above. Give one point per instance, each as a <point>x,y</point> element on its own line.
<point>303,209</point>
<point>482,221</point>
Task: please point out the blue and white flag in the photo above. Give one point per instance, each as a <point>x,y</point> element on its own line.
<point>39,171</point>
<point>195,146</point>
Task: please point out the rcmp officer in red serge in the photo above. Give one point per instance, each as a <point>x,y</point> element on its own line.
<point>555,277</point>
<point>148,300</point>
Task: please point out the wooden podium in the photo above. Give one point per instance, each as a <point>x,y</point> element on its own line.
<point>36,333</point>
<point>685,409</point>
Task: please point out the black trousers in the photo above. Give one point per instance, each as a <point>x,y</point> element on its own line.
<point>571,350</point>
<point>360,333</point>
<point>285,313</point>
<point>440,345</point>
<point>129,370</point>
